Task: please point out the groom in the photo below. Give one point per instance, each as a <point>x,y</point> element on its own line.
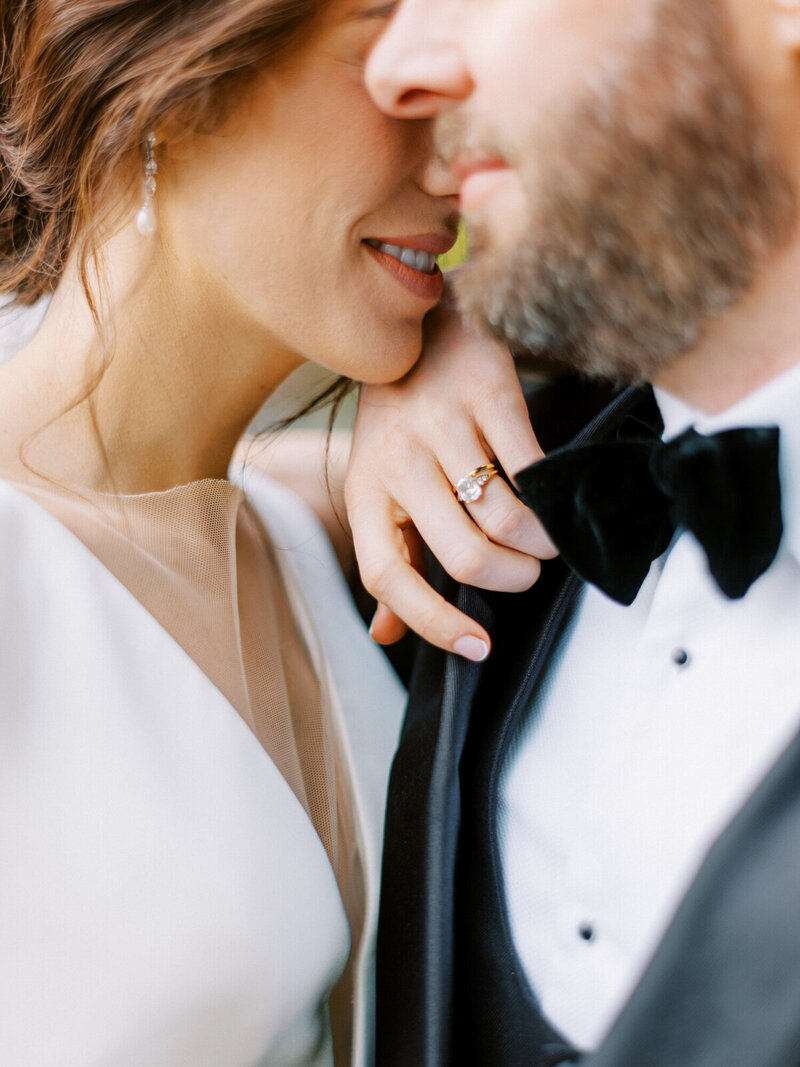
<point>593,843</point>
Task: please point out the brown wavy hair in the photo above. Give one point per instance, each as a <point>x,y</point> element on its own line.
<point>82,81</point>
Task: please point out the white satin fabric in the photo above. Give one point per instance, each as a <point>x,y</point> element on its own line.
<point>164,898</point>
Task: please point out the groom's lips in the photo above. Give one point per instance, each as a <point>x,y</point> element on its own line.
<point>479,177</point>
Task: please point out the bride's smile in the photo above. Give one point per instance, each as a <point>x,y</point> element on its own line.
<point>306,189</point>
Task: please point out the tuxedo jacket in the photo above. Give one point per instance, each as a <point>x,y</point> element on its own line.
<point>723,988</point>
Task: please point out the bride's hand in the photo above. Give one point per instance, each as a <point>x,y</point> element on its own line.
<point>458,409</point>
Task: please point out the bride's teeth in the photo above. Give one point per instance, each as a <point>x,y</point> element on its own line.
<point>417,260</point>
<point>426,261</point>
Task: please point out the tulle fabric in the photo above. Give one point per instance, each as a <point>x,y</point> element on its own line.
<point>199,560</point>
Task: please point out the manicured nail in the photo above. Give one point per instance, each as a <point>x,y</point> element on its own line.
<point>471,648</point>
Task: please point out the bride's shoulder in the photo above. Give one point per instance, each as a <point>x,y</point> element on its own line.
<point>27,530</point>
<point>34,565</point>
<point>15,506</point>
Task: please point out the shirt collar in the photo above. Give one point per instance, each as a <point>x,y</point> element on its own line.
<point>775,404</point>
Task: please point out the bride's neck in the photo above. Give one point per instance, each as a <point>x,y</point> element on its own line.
<point>158,397</point>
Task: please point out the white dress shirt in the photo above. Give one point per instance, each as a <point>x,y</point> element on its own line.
<point>654,725</point>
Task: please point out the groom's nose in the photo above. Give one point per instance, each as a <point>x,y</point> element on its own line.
<point>417,69</point>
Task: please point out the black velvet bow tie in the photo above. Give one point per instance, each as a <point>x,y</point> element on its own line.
<point>612,507</point>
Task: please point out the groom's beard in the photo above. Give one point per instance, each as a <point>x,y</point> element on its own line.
<point>651,202</point>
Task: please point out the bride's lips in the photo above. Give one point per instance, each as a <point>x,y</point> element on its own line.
<point>423,283</point>
<point>479,179</point>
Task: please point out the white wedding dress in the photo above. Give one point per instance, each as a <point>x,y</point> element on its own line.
<point>187,858</point>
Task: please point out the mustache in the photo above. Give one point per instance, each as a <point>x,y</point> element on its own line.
<point>454,135</point>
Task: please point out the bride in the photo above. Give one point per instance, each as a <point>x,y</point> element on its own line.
<point>196,730</point>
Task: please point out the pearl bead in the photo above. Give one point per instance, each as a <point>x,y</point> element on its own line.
<point>146,219</point>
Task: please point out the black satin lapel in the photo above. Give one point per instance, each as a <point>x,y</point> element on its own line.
<point>415,933</point>
<point>501,1024</point>
<point>723,989</point>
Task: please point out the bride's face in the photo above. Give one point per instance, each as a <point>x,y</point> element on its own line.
<point>288,208</point>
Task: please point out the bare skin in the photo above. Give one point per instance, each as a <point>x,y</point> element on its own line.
<point>245,278</point>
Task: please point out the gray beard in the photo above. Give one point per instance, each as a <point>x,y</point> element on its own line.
<point>642,225</point>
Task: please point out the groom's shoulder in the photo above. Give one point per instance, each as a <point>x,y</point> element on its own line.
<point>565,407</point>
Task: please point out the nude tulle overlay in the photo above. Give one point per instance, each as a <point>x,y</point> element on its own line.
<point>198,559</point>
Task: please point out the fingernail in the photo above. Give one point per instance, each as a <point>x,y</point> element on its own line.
<point>471,648</point>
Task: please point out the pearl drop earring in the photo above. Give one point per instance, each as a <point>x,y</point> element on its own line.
<point>146,222</point>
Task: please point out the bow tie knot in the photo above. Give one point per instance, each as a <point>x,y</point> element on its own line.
<point>612,507</point>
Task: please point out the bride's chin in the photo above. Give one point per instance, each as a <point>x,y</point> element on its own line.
<point>401,356</point>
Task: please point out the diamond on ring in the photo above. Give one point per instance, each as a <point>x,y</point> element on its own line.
<point>470,488</point>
